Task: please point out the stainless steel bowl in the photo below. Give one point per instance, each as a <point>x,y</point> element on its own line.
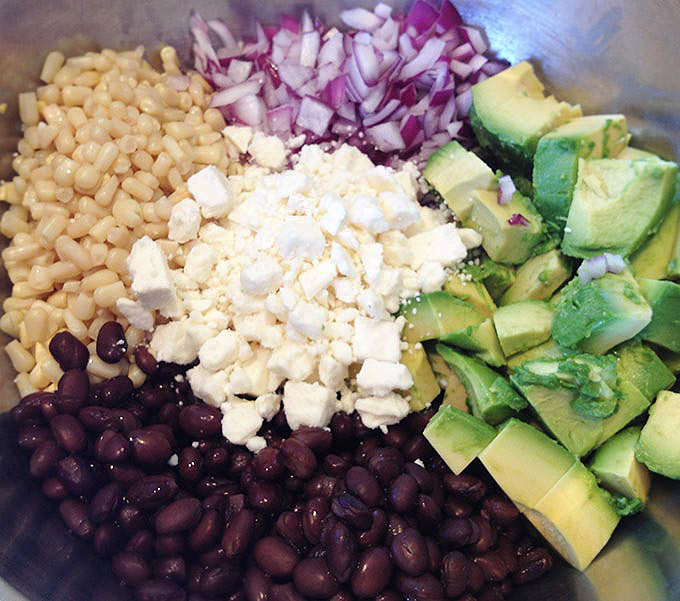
<point>611,56</point>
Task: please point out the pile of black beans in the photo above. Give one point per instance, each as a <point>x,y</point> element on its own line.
<point>342,513</point>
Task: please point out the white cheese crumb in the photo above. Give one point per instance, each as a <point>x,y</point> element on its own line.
<point>267,405</point>
<point>379,378</point>
<point>240,422</point>
<point>150,274</point>
<point>268,151</point>
<point>381,411</point>
<point>308,404</point>
<point>213,192</point>
<point>239,136</point>
<point>185,220</point>
<point>135,313</point>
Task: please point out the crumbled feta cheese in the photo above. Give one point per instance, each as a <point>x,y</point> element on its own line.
<point>376,339</point>
<point>400,210</point>
<point>200,262</point>
<point>170,343</point>
<point>372,260</point>
<point>365,211</point>
<point>381,411</point>
<point>212,191</point>
<point>441,244</point>
<point>261,277</point>
<point>342,260</point>
<point>371,304</point>
<point>240,422</point>
<point>300,237</point>
<point>268,151</point>
<point>220,351</point>
<point>432,276</point>
<point>334,214</point>
<point>267,405</point>
<point>379,378</point>
<point>256,444</point>
<point>150,274</point>
<point>135,313</point>
<point>239,136</point>
<point>317,278</point>
<point>308,319</point>
<point>469,237</point>
<point>185,220</point>
<point>308,404</point>
<point>209,386</point>
<point>346,290</point>
<point>332,373</point>
<point>292,361</point>
<point>342,352</point>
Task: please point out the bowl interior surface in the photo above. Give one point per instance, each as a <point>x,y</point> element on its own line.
<point>611,56</point>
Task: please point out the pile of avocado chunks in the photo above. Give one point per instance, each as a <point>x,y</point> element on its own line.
<point>558,382</point>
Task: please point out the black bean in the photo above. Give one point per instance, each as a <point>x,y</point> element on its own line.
<point>457,509</point>
<point>475,578</point>
<point>45,458</point>
<point>386,464</point>
<point>284,592</point>
<point>416,447</point>
<point>317,439</point>
<point>212,558</point>
<point>160,590</point>
<point>150,447</point>
<point>169,414</point>
<point>54,489</point>
<point>455,532</point>
<point>145,360</point>
<point>194,574</point>
<point>69,433</point>
<point>201,420</point>
<point>238,533</point>
<point>152,491</point>
<point>486,537</point>
<point>320,486</point>
<point>171,568</point>
<point>131,568</point>
<point>403,493</point>
<point>428,513</point>
<point>420,475</point>
<point>342,428</point>
<point>373,572</point>
<point>77,475</point>
<point>506,550</point>
<point>69,352</point>
<point>434,555</point>
<point>256,585</point>
<point>466,487</point>
<point>211,485</point>
<point>265,496</point>
<point>409,552</point>
<point>221,580</point>
<point>421,588</point>
<point>490,593</point>
<point>365,449</point>
<point>97,419</point>
<point>352,511</point>
<point>49,408</point>
<point>396,524</point>
<point>126,474</point>
<point>108,539</point>
<point>335,466</point>
<point>390,595</point>
<point>313,518</point>
<point>105,503</point>
<point>492,566</point>
<point>275,557</point>
<point>32,436</point>
<point>361,431</point>
<point>207,531</point>
<point>416,422</point>
<point>532,565</point>
<point>74,514</point>
<point>29,407</point>
<point>141,543</point>
<point>298,458</point>
<point>268,464</point>
<point>75,383</point>
<point>363,485</point>
<point>455,571</point>
<point>112,392</point>
<point>234,504</point>
<point>132,519</point>
<point>341,552</point>
<point>169,544</point>
<point>111,447</point>
<point>111,342</point>
<point>375,535</point>
<point>289,527</point>
<point>178,516</point>
<point>499,510</point>
<point>190,466</point>
<point>396,436</point>
<point>313,579</point>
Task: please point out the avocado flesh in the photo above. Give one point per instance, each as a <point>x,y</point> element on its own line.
<point>471,292</point>
<point>510,113</point>
<point>538,278</point>
<point>596,316</point>
<point>458,437</point>
<point>524,462</point>
<point>575,516</point>
<point>643,368</point>
<point>617,205</point>
<point>425,386</point>
<point>454,391</point>
<point>489,395</point>
<point>652,259</point>
<point>523,325</point>
<point>664,298</point>
<point>547,350</point>
<point>671,361</point>
<point>658,447</point>
<point>556,161</point>
<point>502,241</point>
<point>435,315</point>
<point>495,277</point>
<point>635,154</point>
<point>455,173</point>
<point>481,340</point>
<point>616,468</point>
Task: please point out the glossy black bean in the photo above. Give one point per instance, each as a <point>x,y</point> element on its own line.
<point>532,565</point>
<point>200,420</point>
<point>113,392</point>
<point>32,436</point>
<point>126,473</point>
<point>160,590</point>
<point>169,414</point>
<point>45,458</point>
<point>212,485</point>
<point>416,447</point>
<point>313,579</point>
<point>457,509</point>
<point>68,405</point>
<point>141,542</point>
<point>492,566</point>
<point>49,408</point>
<point>454,572</point>
<point>298,458</point>
<point>490,593</point>
<point>321,486</point>
<point>178,516</point>
<point>171,568</point>
<point>455,532</point>
<point>486,537</point>
<point>152,491</point>
<point>499,510</point>
<point>108,539</point>
<point>212,558</point>
<point>386,463</point>
<point>403,493</point>
<point>268,464</point>
<point>342,428</point>
<point>97,419</point>
<point>313,517</point>
<point>396,524</point>
<point>421,588</point>
<point>54,489</point>
<point>420,475</point>
<point>434,555</point>
<point>207,532</point>
<point>76,473</point>
<point>240,459</point>
<point>29,407</point>
<point>352,511</point>
<point>361,483</point>
<point>390,595</point>
<point>341,551</point>
<point>373,572</point>
<point>132,519</point>
<point>289,527</point>
<point>239,533</point>
<point>466,487</point>
<point>167,545</point>
<point>150,447</point>
<point>222,580</point>
<point>111,342</point>
<point>396,436</point>
<point>335,465</point>
<point>111,447</point>
<point>409,552</point>
<point>317,439</point>
<point>417,421</point>
<point>131,568</point>
<point>216,461</point>
<point>74,514</point>
<point>266,497</point>
<point>375,535</point>
<point>74,383</point>
<point>275,557</point>
<point>190,466</point>
<point>105,504</point>
<point>69,352</point>
<point>365,449</point>
<point>428,513</point>
<point>475,578</point>
<point>506,549</point>
<point>256,585</point>
<point>145,360</point>
<point>284,592</point>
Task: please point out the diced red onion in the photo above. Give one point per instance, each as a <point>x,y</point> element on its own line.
<point>615,263</point>
<point>448,114</point>
<point>382,114</point>
<point>409,129</point>
<point>295,76</point>
<point>280,119</point>
<point>367,62</point>
<point>382,10</point>
<point>424,60</point>
<point>477,62</point>
<point>224,33</point>
<point>506,189</point>
<point>592,269</point>
<point>464,102</point>
<point>518,219</point>
<point>449,17</point>
<point>387,37</point>
<point>454,128</point>
<point>306,23</point>
<point>250,110</point>
<point>406,48</point>
<point>309,48</point>
<point>464,52</point>
<point>332,51</point>
<point>475,37</point>
<point>314,116</point>
<point>335,91</point>
<point>235,93</point>
<point>462,70</point>
<point>290,24</point>
<point>386,136</point>
<point>361,19</point>
<point>239,71</point>
<point>422,16</point>
<point>409,95</point>
<point>494,67</point>
<point>374,98</point>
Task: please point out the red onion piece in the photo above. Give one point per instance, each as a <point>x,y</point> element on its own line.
<point>290,24</point>
<point>367,62</point>
<point>615,263</point>
<point>235,93</point>
<point>382,114</point>
<point>518,219</point>
<point>239,71</point>
<point>280,119</point>
<point>592,269</point>
<point>422,16</point>
<point>309,48</point>
<point>475,37</point>
<point>506,189</point>
<point>314,116</point>
<point>449,17</point>
<point>386,136</point>
<point>464,102</point>
<point>250,110</point>
<point>427,57</point>
<point>361,19</point>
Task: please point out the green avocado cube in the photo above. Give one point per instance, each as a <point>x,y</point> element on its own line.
<point>615,466</point>
<point>575,517</point>
<point>556,161</point>
<point>659,446</point>
<point>523,325</point>
<point>641,367</point>
<point>547,350</point>
<point>664,298</point>
<point>635,154</point>
<point>495,277</point>
<point>538,278</point>
<point>481,340</point>
<point>471,292</point>
<point>510,113</point>
<point>598,315</point>
<point>425,386</point>
<point>524,462</point>
<point>455,173</point>
<point>489,395</point>
<point>458,437</point>
<point>510,231</point>
<point>617,205</point>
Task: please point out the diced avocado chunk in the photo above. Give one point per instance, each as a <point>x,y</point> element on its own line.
<point>481,340</point>
<point>538,278</point>
<point>510,231</point>
<point>489,395</point>
<point>425,386</point>
<point>458,437</point>
<point>547,350</point>
<point>524,462</point>
<point>556,161</point>
<point>496,278</point>
<point>436,314</point>
<point>598,315</point>
<point>523,325</point>
<point>642,368</point>
<point>471,292</point>
<point>664,298</point>
<point>659,447</point>
<point>618,471</point>
<point>454,391</point>
<point>671,361</point>
<point>455,173</point>
<point>510,112</point>
<point>575,517</point>
<point>617,205</point>
<point>635,154</point>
